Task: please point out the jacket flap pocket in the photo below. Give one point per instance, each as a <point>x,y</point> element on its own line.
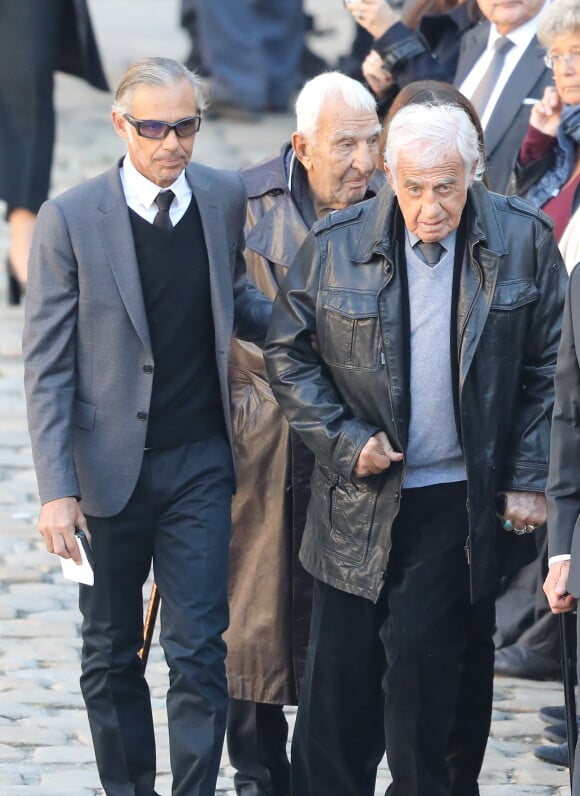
<point>353,303</point>
<point>83,415</point>
<point>514,294</point>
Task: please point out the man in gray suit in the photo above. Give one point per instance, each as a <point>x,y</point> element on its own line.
<point>504,85</point>
<point>137,283</point>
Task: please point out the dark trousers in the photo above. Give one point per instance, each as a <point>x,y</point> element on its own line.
<point>429,648</point>
<point>179,518</point>
<point>256,736</point>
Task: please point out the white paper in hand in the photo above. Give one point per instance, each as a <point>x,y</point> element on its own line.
<point>81,573</point>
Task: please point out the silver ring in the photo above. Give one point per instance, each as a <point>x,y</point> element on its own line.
<point>530,528</point>
<point>508,525</point>
<point>519,531</point>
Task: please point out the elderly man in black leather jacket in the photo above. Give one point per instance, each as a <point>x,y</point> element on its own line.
<point>429,392</point>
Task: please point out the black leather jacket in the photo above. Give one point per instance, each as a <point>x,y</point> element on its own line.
<point>345,286</point>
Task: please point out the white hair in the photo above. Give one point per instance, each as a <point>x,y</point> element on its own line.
<point>560,18</point>
<point>431,130</point>
<point>324,87</point>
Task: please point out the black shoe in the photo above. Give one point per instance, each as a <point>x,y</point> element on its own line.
<point>553,714</point>
<point>15,286</point>
<point>557,733</point>
<point>520,661</point>
<point>557,754</point>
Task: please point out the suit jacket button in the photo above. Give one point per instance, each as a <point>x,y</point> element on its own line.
<point>148,368</point>
<point>141,415</point>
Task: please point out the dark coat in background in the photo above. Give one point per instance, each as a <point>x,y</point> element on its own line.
<point>78,53</point>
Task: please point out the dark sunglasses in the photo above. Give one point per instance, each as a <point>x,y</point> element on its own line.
<point>149,128</point>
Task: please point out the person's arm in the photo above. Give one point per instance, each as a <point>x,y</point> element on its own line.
<point>49,342</point>
<point>536,155</point>
<point>252,310</point>
<point>302,383</point>
<point>563,488</point>
<point>526,461</point>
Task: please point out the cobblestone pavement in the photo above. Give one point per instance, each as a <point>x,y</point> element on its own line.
<point>45,746</point>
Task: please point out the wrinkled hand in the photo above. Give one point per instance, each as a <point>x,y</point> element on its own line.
<point>378,78</point>
<point>525,510</point>
<point>556,588</point>
<point>376,16</point>
<point>57,522</point>
<point>545,115</point>
<point>376,456</point>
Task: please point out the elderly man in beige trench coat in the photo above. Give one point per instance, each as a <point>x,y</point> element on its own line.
<point>329,164</point>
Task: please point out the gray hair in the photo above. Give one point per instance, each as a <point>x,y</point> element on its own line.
<point>431,130</point>
<point>320,89</point>
<point>155,71</point>
<point>558,19</point>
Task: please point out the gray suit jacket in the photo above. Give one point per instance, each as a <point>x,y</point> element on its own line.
<point>86,343</point>
<point>509,121</point>
<point>563,490</point>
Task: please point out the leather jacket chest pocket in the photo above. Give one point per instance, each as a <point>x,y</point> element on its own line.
<point>505,329</point>
<point>348,329</point>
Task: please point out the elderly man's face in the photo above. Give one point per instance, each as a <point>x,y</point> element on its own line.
<point>507,15</point>
<point>341,156</point>
<point>161,161</point>
<point>431,199</point>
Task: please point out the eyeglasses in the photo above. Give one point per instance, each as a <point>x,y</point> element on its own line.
<point>149,128</point>
<point>571,60</point>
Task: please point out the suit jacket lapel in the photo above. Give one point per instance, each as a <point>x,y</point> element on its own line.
<point>528,71</point>
<point>119,249</point>
<point>473,44</point>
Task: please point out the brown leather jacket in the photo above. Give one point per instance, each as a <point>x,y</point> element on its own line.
<point>346,288</point>
<point>268,588</point>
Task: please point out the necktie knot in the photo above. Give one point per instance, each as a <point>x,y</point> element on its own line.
<point>431,253</point>
<point>163,201</point>
<point>503,45</point>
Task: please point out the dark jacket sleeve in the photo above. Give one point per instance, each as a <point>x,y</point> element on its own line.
<point>527,461</point>
<point>252,309</point>
<point>563,481</point>
<point>430,53</point>
<point>299,378</point>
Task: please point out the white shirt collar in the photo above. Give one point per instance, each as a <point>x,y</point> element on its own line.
<point>521,37</point>
<point>141,191</point>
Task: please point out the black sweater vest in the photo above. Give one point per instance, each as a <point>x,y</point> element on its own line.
<point>186,402</point>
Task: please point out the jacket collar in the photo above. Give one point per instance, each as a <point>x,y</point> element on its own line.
<point>383,214</point>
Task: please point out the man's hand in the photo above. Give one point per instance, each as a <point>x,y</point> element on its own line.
<point>556,588</point>
<point>376,75</point>
<point>524,510</point>
<point>376,456</point>
<point>57,522</point>
<point>376,16</point>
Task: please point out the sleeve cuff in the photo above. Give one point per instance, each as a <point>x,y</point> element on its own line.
<point>555,559</point>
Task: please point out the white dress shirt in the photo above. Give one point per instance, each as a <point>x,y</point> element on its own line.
<point>521,38</point>
<point>140,193</point>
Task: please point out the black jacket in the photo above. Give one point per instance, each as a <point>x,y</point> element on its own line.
<point>346,287</point>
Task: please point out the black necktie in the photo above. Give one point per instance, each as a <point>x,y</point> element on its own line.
<point>486,85</point>
<point>163,201</point>
<point>430,252</point>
